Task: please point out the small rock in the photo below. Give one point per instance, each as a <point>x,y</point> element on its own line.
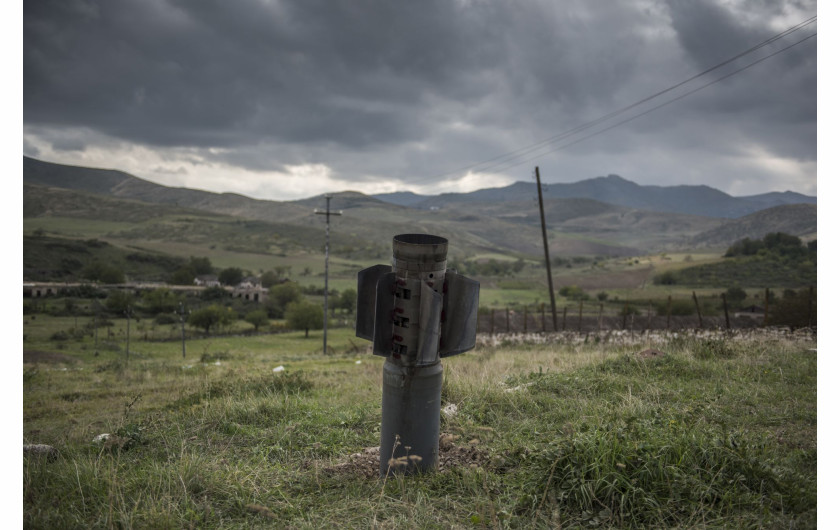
<point>48,451</point>
<point>650,352</point>
<point>101,438</point>
<point>261,510</point>
<point>279,369</point>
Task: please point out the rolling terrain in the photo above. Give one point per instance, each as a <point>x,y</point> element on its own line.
<point>613,189</point>
<point>84,202</point>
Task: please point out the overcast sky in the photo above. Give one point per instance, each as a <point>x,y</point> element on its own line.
<point>290,99</point>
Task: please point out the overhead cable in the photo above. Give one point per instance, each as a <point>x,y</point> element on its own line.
<point>501,160</point>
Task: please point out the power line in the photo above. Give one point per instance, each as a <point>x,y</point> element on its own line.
<point>518,153</point>
<point>648,111</point>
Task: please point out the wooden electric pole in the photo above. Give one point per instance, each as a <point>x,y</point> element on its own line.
<point>545,246</point>
<point>328,213</point>
<point>183,336</point>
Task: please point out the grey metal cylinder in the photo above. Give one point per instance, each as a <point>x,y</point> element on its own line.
<point>419,262</point>
<point>412,376</point>
<point>410,418</point>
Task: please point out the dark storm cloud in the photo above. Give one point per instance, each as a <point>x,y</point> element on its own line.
<point>407,89</point>
<point>227,73</point>
<point>777,100</point>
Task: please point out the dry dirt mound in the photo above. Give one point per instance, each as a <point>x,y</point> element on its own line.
<point>450,456</point>
<point>35,356</point>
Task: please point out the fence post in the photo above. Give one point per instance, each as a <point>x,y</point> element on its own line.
<point>600,315</point>
<point>810,304</point>
<point>492,321</point>
<point>668,322</point>
<point>766,305</point>
<point>564,318</point>
<point>525,321</point>
<point>580,316</point>
<point>624,316</point>
<point>725,309</point>
<point>697,306</point>
<point>542,308</point>
<point>650,309</point>
<point>507,320</point>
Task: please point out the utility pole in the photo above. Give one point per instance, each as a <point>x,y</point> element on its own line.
<point>545,246</point>
<point>328,213</point>
<point>183,338</point>
<point>128,313</point>
<point>96,327</point>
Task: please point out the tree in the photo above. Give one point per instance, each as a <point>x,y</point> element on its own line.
<point>98,271</point>
<point>186,274</point>
<point>214,293</point>
<point>183,276</point>
<point>666,278</point>
<point>347,300</point>
<point>119,302</point>
<point>795,309</point>
<point>281,295</point>
<point>736,295</point>
<point>602,296</point>
<point>200,266</point>
<point>211,317</point>
<point>304,315</point>
<point>160,300</point>
<point>573,292</point>
<point>269,279</point>
<point>257,318</point>
<point>231,276</point>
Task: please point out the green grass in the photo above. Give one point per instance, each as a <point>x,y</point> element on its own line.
<point>715,432</point>
<point>73,227</point>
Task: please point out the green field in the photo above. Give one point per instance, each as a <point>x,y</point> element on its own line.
<point>707,431</point>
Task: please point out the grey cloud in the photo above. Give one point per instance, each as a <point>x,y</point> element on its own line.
<point>373,88</point>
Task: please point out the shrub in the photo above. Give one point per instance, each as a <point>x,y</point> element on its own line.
<point>795,309</point>
<point>166,318</point>
<point>211,317</point>
<point>304,315</point>
<point>257,318</point>
<point>666,278</point>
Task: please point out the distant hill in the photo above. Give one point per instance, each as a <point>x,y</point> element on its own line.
<point>126,186</point>
<point>402,198</point>
<point>612,189</point>
<point>780,198</point>
<point>495,220</point>
<point>795,219</point>
<point>92,180</point>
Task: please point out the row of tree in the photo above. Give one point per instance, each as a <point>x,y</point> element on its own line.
<point>213,309</point>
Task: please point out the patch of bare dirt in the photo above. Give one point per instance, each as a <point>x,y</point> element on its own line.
<point>36,356</point>
<point>366,463</point>
<point>627,279</point>
<point>651,353</point>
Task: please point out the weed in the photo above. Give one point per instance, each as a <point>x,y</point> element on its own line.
<point>713,432</point>
<point>715,349</point>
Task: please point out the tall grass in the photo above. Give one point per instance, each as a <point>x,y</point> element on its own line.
<point>713,432</point>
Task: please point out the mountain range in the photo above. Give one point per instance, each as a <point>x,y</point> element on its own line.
<point>612,189</point>
<point>604,216</point>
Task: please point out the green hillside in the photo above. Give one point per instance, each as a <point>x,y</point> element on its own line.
<point>60,259</point>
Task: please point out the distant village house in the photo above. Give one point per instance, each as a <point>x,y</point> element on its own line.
<point>207,280</point>
<point>250,288</point>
